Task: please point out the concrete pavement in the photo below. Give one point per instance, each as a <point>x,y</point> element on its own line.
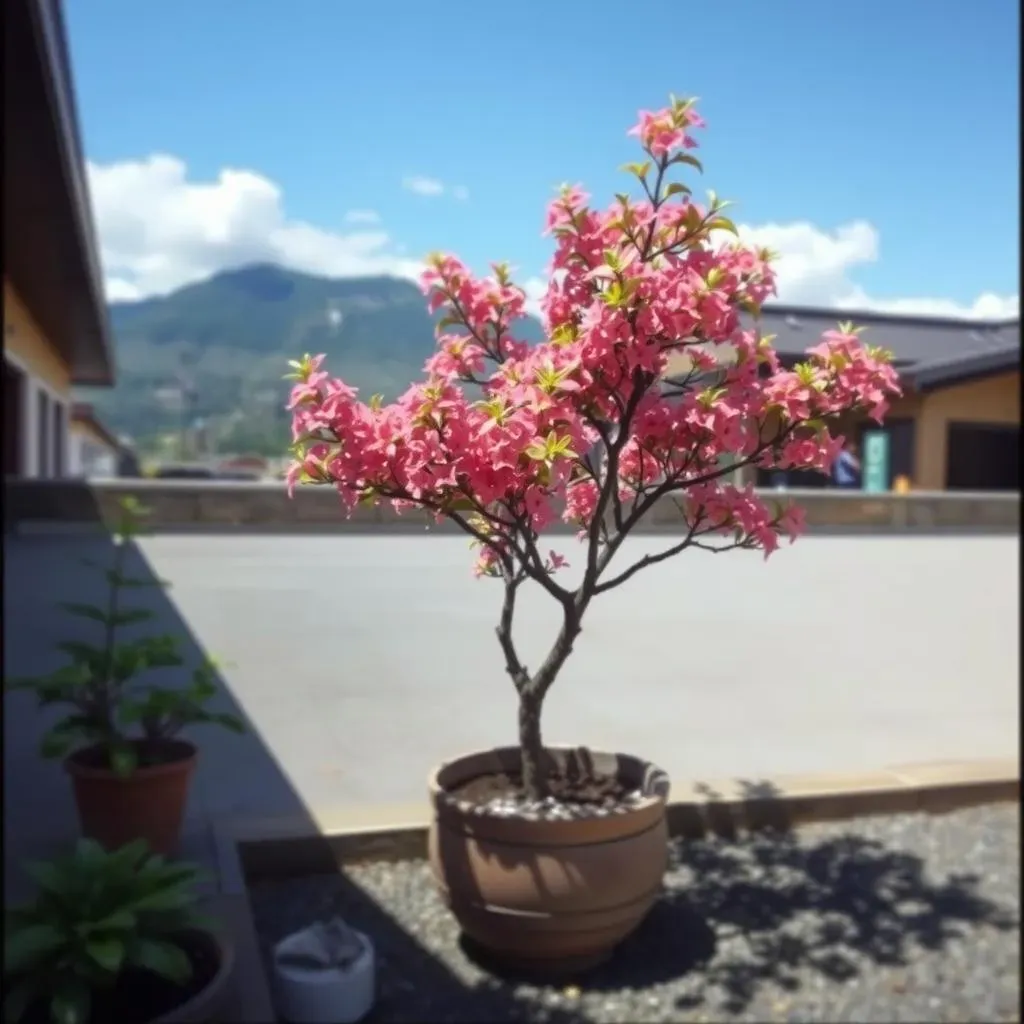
<point>361,661</point>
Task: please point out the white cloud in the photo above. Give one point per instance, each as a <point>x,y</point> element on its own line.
<point>362,217</point>
<point>816,267</point>
<point>159,229</point>
<point>423,186</point>
<point>431,187</point>
<point>535,287</point>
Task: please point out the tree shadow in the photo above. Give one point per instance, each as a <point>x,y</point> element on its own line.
<point>742,912</point>
<point>767,907</point>
<point>758,901</point>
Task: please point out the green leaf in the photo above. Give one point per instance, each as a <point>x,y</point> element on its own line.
<point>723,224</point>
<point>675,188</point>
<point>685,158</point>
<point>24,946</point>
<point>163,899</point>
<point>56,743</point>
<point>87,654</point>
<point>85,611</point>
<point>75,729</point>
<point>131,855</point>
<point>116,578</point>
<point>49,877</point>
<point>163,958</point>
<point>118,921</point>
<point>106,953</point>
<point>130,712</point>
<point>123,759</point>
<point>71,1003</point>
<point>231,722</point>
<point>128,616</point>
<point>89,853</point>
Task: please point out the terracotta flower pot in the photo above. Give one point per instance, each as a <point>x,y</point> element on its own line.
<point>211,1004</point>
<point>549,895</point>
<point>148,804</point>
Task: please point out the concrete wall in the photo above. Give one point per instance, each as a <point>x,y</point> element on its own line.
<point>217,505</point>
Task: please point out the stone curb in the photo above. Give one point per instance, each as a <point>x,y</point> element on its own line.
<point>255,849</point>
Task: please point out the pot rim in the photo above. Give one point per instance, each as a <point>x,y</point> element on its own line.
<point>184,763</point>
<point>226,948</point>
<point>647,801</point>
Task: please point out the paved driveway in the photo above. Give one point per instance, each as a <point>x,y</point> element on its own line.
<point>361,661</point>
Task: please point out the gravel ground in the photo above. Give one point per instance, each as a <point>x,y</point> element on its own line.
<point>907,918</point>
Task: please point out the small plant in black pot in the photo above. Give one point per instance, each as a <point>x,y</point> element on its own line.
<point>121,742</point>
<point>113,937</point>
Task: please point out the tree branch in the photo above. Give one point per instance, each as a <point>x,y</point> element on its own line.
<point>513,665</point>
<point>649,560</point>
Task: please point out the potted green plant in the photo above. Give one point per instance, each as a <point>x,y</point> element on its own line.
<point>113,936</point>
<point>120,739</point>
<point>653,389</point>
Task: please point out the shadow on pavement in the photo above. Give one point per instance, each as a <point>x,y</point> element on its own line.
<point>236,774</point>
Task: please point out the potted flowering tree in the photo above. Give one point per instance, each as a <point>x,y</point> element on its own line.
<point>556,855</point>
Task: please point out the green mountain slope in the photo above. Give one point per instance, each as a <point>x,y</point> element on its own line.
<point>228,339</point>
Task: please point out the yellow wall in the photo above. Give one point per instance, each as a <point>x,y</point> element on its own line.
<point>990,400</point>
<point>24,340</point>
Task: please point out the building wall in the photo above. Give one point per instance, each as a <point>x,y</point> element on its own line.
<point>990,400</point>
<point>91,455</point>
<point>47,383</point>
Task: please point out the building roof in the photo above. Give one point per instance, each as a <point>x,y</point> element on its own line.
<point>85,414</point>
<point>927,351</point>
<point>50,249</point>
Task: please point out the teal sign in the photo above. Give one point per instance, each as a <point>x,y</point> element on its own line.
<point>875,463</point>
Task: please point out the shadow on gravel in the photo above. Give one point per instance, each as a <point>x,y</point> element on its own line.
<point>765,907</point>
<point>413,984</point>
<point>776,909</point>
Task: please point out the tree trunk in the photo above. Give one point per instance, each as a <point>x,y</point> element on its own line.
<point>535,774</point>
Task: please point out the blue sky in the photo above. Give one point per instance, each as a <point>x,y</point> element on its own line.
<point>876,144</point>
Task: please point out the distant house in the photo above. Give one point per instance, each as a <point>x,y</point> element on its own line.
<point>55,323</point>
<point>93,450</point>
<point>957,425</point>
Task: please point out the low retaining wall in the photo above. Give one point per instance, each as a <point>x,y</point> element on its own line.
<point>204,504</point>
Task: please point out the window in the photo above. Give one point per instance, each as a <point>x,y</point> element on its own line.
<point>43,442</point>
<point>59,431</point>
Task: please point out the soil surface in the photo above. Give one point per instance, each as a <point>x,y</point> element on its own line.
<point>590,789</point>
<point>141,996</point>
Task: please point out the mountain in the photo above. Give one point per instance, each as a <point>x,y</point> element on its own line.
<point>230,338</point>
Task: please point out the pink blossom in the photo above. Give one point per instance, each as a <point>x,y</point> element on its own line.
<point>586,423</point>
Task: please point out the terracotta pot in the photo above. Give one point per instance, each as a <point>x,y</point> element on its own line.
<point>549,895</point>
<point>210,1005</point>
<point>149,804</point>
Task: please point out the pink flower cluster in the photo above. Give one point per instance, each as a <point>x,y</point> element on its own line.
<point>588,426</point>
